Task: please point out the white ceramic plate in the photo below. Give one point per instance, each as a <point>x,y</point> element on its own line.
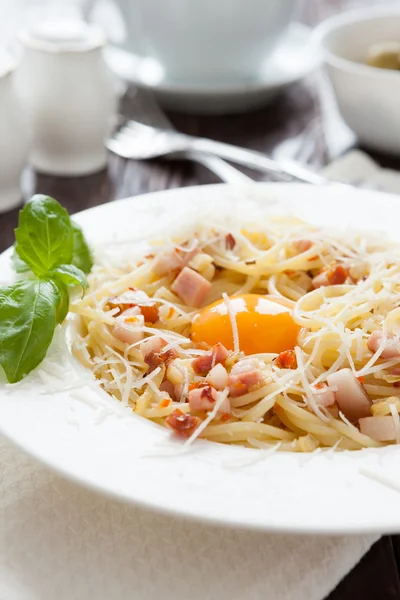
<point>89,437</point>
<point>295,58</point>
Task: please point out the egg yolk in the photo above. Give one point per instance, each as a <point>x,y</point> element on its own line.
<point>265,324</point>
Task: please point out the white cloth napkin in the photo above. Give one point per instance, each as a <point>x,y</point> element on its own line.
<point>357,168</point>
<point>63,542</point>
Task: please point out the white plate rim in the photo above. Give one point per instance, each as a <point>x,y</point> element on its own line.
<point>204,488</point>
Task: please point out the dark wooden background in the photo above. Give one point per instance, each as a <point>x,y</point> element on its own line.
<point>302,115</point>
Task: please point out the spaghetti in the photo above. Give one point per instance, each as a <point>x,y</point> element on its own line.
<point>285,336</point>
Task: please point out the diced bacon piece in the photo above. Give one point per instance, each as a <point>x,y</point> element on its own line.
<point>395,371</point>
<point>183,424</point>
<point>230,242</point>
<point>381,429</point>
<point>129,328</point>
<point>218,377</point>
<point>152,344</point>
<point>203,363</point>
<point>351,397</point>
<point>128,299</point>
<point>202,398</point>
<point>219,354</point>
<point>302,245</point>
<point>286,360</point>
<point>337,275</point>
<point>191,287</point>
<point>334,275</point>
<point>168,261</point>
<point>323,396</point>
<point>241,383</point>
<point>134,298</point>
<point>150,312</point>
<point>169,355</point>
<point>153,360</point>
<point>167,386</point>
<point>391,348</point>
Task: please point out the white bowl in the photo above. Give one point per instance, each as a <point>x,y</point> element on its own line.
<point>368,97</point>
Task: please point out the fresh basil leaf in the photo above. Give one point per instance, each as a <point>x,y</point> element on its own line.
<point>28,317</point>
<point>44,236</point>
<point>70,275</point>
<point>81,257</point>
<point>63,306</point>
<point>18,264</point>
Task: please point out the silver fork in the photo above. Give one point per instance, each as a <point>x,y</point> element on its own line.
<point>139,141</point>
<point>144,108</point>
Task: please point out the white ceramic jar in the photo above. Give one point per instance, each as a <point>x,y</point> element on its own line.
<point>69,95</point>
<point>14,137</point>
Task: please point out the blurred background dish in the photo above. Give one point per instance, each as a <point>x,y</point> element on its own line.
<point>192,42</point>
<point>293,59</point>
<point>368,97</point>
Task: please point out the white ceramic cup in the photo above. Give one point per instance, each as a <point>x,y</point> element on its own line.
<point>14,137</point>
<point>203,41</point>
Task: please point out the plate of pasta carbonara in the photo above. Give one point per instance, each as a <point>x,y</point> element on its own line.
<point>235,358</point>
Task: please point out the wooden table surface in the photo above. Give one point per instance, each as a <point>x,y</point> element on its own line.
<point>300,115</point>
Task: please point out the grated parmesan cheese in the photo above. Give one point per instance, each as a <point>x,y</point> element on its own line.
<point>232,317</point>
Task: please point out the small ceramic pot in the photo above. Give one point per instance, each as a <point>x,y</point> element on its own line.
<point>69,96</point>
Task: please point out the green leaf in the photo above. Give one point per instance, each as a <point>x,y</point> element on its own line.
<point>63,306</point>
<point>70,275</point>
<point>28,317</point>
<point>81,257</point>
<point>18,264</point>
<point>44,237</point>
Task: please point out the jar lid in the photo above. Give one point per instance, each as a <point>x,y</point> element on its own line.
<point>71,35</point>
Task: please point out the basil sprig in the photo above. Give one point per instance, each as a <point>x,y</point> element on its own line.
<point>51,255</point>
